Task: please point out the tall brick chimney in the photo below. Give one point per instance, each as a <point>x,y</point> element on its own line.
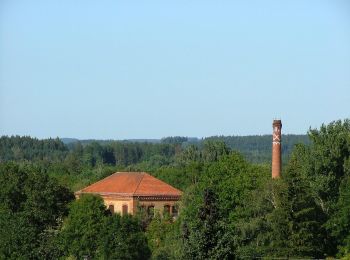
<point>276,149</point>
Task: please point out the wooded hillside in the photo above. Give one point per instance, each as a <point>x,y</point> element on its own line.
<point>230,209</point>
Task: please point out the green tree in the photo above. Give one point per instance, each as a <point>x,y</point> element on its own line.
<point>18,240</point>
<point>164,238</point>
<point>339,223</point>
<point>230,180</point>
<point>323,166</point>
<point>278,220</point>
<point>326,161</point>
<point>31,208</point>
<point>121,237</point>
<point>82,228</point>
<point>305,214</point>
<point>214,150</point>
<point>260,224</point>
<point>159,233</point>
<point>203,230</point>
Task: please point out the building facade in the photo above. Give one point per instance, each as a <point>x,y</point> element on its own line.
<point>129,192</point>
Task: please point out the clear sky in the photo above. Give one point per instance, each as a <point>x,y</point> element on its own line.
<point>149,69</point>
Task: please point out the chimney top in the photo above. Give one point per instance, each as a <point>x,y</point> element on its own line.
<point>277,122</point>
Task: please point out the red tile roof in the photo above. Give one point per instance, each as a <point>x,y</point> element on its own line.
<point>132,184</point>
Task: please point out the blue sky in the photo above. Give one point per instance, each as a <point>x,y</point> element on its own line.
<point>149,69</point>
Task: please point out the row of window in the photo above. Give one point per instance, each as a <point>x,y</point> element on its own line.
<point>124,209</point>
<point>171,210</point>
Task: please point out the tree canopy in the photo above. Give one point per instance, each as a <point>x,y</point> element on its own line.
<point>230,209</point>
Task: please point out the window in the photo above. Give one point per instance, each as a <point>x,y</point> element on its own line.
<point>175,211</point>
<point>125,210</point>
<point>111,208</point>
<point>150,211</point>
<point>166,209</point>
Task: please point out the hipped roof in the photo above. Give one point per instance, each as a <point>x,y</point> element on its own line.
<point>132,184</point>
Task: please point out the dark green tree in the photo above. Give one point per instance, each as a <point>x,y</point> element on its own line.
<point>278,220</point>
<point>157,230</point>
<point>214,150</point>
<point>339,223</point>
<point>203,231</point>
<point>82,229</point>
<point>121,237</point>
<point>323,166</point>
<point>32,206</point>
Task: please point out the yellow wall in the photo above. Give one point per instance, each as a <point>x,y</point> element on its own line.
<point>118,204</point>
<point>134,203</point>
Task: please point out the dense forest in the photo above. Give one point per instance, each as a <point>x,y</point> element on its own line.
<point>77,163</point>
<point>255,149</point>
<point>231,208</point>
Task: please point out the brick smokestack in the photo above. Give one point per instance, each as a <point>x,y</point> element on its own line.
<point>276,149</point>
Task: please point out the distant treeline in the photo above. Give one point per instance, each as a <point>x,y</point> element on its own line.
<point>255,149</point>
<point>18,148</point>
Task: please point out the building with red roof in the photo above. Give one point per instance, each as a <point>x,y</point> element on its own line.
<point>127,192</point>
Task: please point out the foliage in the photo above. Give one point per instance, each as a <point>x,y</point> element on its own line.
<point>90,230</point>
<point>174,140</point>
<point>82,228</point>
<point>313,203</point>
<point>210,206</point>
<point>304,214</point>
<point>125,153</point>
<point>203,233</point>
<point>156,233</point>
<point>277,221</point>
<point>339,223</point>
<point>257,148</point>
<point>325,166</point>
<point>27,148</point>
<point>230,207</point>
<point>32,206</point>
<point>121,237</point>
